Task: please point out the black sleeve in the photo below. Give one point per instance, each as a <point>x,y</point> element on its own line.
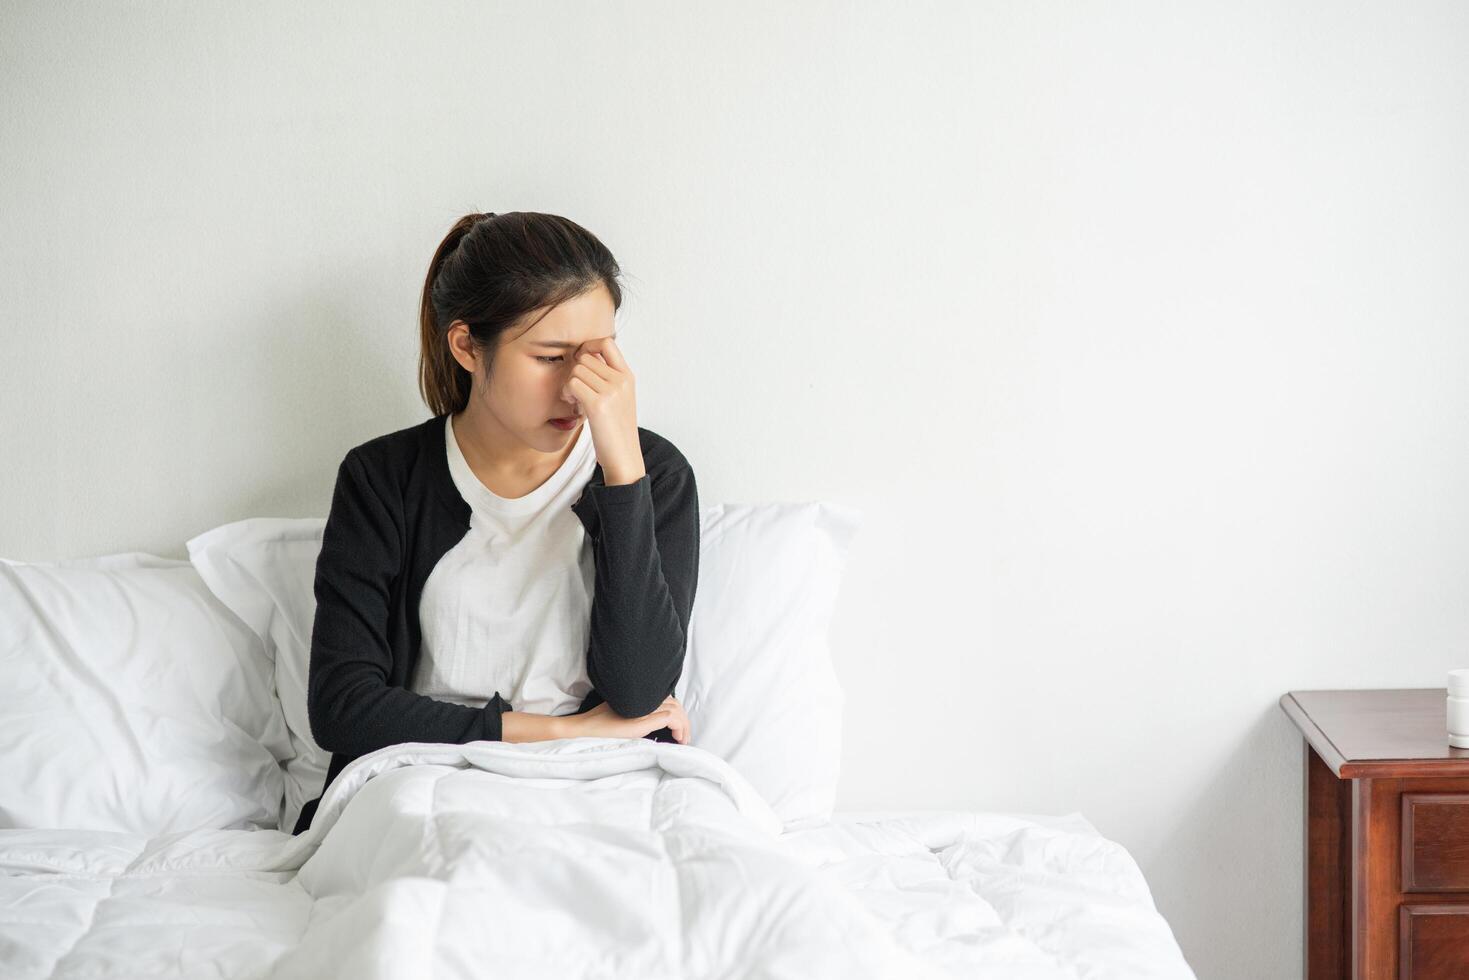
<point>646,537</point>
<point>351,706</point>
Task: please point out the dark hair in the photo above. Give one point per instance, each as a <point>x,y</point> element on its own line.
<point>490,271</point>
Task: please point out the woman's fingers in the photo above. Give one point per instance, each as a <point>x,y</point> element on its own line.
<point>679,724</point>
<point>672,716</point>
<point>611,353</point>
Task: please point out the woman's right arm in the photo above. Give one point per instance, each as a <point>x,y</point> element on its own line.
<point>599,722</point>
<point>526,726</point>
<point>351,706</point>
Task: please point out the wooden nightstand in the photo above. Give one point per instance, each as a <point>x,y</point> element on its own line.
<point>1387,836</point>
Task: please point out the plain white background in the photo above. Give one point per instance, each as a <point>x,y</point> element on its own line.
<point>1137,331</point>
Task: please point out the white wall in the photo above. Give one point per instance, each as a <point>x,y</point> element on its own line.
<point>1137,330</point>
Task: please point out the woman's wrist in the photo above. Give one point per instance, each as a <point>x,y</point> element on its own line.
<point>527,726</point>
<point>568,726</point>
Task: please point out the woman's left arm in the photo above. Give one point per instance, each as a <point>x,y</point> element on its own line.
<point>645,538</point>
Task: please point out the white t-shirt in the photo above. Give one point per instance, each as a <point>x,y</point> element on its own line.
<point>508,608</point>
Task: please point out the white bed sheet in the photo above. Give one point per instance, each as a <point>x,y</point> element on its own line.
<point>580,858</point>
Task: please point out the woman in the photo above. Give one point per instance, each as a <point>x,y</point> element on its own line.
<point>522,565</point>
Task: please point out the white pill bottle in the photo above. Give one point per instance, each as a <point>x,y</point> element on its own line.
<point>1459,708</point>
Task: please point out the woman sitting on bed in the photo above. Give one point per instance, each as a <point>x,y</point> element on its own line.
<point>522,565</point>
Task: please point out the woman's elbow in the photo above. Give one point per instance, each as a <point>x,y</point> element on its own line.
<point>634,705</point>
<point>325,728</point>
<point>638,699</point>
<point>323,735</point>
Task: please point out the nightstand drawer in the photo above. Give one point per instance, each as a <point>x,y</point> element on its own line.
<point>1435,942</point>
<point>1436,842</point>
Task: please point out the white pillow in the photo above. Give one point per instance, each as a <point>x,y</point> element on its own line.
<point>132,701</point>
<point>757,683</point>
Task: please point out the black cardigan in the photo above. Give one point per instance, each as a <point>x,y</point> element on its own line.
<point>395,511</point>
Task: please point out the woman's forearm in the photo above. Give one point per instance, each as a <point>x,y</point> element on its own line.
<point>527,726</point>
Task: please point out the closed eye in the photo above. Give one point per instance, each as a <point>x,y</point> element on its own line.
<point>548,360</point>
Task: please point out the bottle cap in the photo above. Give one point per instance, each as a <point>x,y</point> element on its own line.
<point>1459,683</point>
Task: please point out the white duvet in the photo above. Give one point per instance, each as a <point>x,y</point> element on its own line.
<point>576,858</point>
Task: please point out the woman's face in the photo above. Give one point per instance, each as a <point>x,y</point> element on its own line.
<point>526,385</point>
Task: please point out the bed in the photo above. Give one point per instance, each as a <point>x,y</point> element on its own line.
<point>157,745</point>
